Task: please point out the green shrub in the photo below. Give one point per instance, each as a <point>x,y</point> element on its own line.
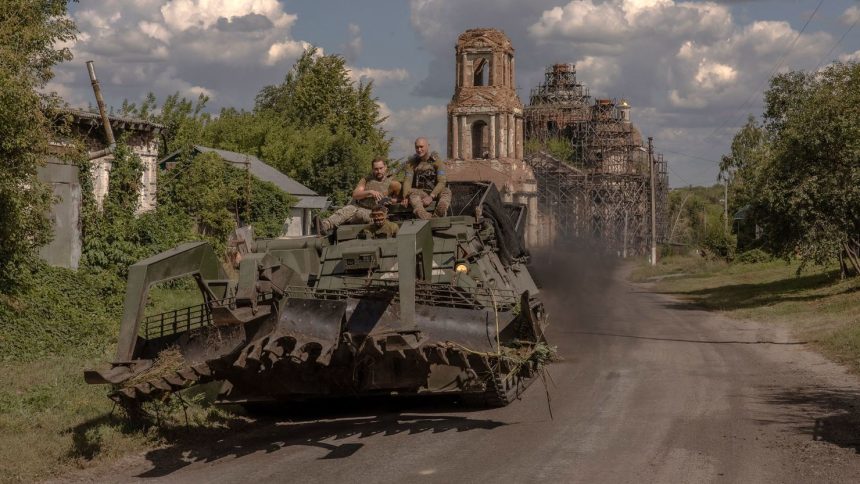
<point>719,244</point>
<point>753,256</point>
<point>60,312</point>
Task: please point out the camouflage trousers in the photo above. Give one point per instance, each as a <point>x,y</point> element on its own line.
<point>347,214</point>
<point>443,201</point>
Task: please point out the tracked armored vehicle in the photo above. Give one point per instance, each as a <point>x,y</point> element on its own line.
<point>447,306</point>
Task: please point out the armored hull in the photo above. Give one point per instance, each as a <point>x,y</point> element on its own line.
<point>447,306</point>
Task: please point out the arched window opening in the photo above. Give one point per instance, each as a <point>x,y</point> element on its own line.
<point>482,73</point>
<point>480,140</point>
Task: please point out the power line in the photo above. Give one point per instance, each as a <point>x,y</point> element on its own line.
<point>772,72</point>
<point>845,34</point>
<point>677,175</point>
<point>691,156</point>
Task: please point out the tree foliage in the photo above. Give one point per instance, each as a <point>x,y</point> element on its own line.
<point>329,162</point>
<point>215,195</point>
<point>115,236</point>
<point>30,32</point>
<point>695,214</point>
<point>800,169</point>
<point>323,130</point>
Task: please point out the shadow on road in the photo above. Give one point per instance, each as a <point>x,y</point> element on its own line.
<point>315,424</point>
<point>685,340</point>
<point>745,296</point>
<point>826,415</point>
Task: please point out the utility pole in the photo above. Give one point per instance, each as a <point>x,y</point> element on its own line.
<point>653,202</point>
<point>624,251</point>
<point>726,206</point>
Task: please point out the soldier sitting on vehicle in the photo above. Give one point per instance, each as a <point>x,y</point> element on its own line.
<point>425,181</point>
<point>381,227</point>
<point>369,192</point>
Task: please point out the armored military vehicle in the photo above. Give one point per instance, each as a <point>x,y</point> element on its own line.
<point>447,306</point>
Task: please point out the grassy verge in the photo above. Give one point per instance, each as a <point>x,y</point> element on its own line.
<point>816,304</point>
<point>51,421</point>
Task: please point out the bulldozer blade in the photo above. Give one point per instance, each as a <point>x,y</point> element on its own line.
<point>280,346</point>
<point>161,384</point>
<point>371,347</point>
<point>117,374</point>
<point>473,329</point>
<point>175,381</point>
<point>202,370</point>
<point>440,356</point>
<point>187,373</point>
<point>316,326</point>
<point>144,389</point>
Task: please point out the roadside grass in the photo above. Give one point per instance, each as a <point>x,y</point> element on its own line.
<point>51,421</point>
<point>816,304</point>
<point>166,297</point>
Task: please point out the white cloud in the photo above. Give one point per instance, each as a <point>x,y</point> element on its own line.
<point>202,14</point>
<point>850,57</point>
<point>851,14</point>
<point>289,49</point>
<point>712,75</point>
<point>155,30</point>
<point>615,21</point>
<point>685,66</point>
<point>405,125</point>
<point>598,72</point>
<point>353,48</point>
<point>190,46</point>
<point>378,76</point>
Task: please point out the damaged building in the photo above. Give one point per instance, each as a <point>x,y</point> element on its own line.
<point>603,191</point>
<point>485,121</point>
<point>142,137</point>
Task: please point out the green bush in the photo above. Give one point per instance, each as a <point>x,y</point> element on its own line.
<point>719,244</point>
<point>60,312</point>
<point>753,256</point>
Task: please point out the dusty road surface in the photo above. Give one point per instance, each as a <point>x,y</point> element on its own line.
<point>650,390</point>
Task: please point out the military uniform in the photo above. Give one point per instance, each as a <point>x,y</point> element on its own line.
<point>426,178</point>
<point>358,211</point>
<point>387,230</point>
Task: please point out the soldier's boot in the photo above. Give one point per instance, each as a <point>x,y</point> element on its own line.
<point>415,200</point>
<point>442,203</point>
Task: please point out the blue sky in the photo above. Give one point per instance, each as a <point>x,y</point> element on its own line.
<point>692,70</point>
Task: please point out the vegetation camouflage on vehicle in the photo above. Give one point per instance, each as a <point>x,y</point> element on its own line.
<point>446,306</point>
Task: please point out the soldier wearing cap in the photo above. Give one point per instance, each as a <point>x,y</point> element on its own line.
<point>425,181</point>
<point>381,227</point>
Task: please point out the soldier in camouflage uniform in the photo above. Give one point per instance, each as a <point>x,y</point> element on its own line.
<point>425,181</point>
<point>369,191</point>
<point>381,228</point>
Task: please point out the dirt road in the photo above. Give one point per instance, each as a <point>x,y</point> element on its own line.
<point>650,390</point>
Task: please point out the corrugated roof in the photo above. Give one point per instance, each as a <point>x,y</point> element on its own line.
<point>314,202</point>
<point>261,170</point>
<point>82,114</point>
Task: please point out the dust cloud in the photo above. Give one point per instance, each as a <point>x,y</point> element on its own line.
<point>575,278</point>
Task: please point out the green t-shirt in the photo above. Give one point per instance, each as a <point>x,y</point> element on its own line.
<point>388,230</point>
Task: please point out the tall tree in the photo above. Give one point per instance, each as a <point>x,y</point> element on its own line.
<point>31,35</point>
<point>329,128</point>
<point>804,177</point>
<point>748,152</point>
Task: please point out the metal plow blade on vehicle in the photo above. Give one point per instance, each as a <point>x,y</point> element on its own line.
<point>447,306</point>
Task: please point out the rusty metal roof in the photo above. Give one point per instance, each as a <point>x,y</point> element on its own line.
<point>121,122</point>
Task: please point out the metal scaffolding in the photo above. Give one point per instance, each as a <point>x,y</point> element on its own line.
<point>603,193</point>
